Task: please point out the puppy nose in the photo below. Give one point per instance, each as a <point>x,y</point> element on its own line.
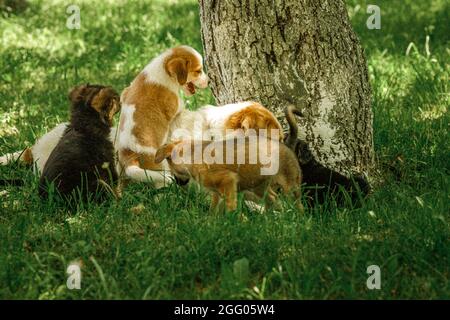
<point>204,81</point>
<point>181,182</point>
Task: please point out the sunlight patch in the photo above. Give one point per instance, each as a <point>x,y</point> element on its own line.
<point>436,112</point>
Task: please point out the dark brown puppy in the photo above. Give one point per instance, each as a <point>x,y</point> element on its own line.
<point>83,163</point>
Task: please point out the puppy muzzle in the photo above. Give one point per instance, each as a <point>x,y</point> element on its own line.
<point>181,182</point>
<point>202,81</point>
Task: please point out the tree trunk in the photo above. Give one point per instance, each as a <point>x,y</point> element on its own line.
<point>303,52</point>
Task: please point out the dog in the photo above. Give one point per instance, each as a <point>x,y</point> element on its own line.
<point>218,122</point>
<point>150,104</point>
<point>321,180</point>
<point>224,173</point>
<point>152,110</point>
<point>83,160</point>
<point>205,123</point>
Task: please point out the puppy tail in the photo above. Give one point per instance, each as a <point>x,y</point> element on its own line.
<point>159,178</point>
<point>24,156</point>
<point>292,138</point>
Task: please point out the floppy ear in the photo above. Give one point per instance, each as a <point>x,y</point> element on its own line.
<point>247,124</point>
<point>76,93</point>
<point>106,103</point>
<point>273,124</point>
<point>164,152</point>
<point>178,67</point>
<point>113,108</point>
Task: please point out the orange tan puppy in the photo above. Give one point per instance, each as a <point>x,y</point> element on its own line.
<point>150,104</point>
<point>229,166</point>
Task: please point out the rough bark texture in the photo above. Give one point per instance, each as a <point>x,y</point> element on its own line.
<point>302,52</point>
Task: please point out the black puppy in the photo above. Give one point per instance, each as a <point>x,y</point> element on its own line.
<point>82,163</point>
<point>320,180</point>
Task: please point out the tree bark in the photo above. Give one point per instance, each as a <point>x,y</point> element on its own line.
<point>301,52</point>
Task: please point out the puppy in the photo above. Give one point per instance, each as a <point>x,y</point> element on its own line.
<point>229,166</point>
<point>150,104</point>
<point>83,159</point>
<point>321,180</point>
<point>202,124</point>
<point>211,122</point>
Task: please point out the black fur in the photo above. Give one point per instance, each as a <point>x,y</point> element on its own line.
<point>77,163</point>
<point>320,181</point>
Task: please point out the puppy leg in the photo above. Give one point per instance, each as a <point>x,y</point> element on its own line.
<point>298,200</point>
<point>121,185</point>
<point>272,198</point>
<point>230,193</point>
<point>294,193</point>
<point>137,167</point>
<point>266,192</point>
<point>225,183</point>
<point>215,199</point>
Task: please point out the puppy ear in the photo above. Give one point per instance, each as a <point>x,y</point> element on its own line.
<point>113,108</point>
<point>273,124</point>
<point>76,93</point>
<point>246,124</point>
<point>178,67</point>
<point>106,103</point>
<point>164,152</point>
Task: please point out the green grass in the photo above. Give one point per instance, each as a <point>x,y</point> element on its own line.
<point>172,247</point>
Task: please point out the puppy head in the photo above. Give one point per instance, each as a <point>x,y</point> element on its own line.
<point>104,100</point>
<point>185,65</point>
<point>173,153</point>
<point>256,117</point>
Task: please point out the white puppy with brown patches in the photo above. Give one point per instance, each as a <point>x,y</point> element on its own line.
<point>216,122</point>
<point>149,105</point>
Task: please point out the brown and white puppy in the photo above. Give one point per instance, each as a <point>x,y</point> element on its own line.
<point>211,122</point>
<point>150,104</point>
<point>83,160</point>
<point>229,166</point>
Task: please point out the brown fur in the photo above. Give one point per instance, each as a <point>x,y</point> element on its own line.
<point>225,180</point>
<point>182,64</point>
<point>100,104</point>
<point>27,156</point>
<point>156,106</point>
<point>82,161</point>
<point>255,117</point>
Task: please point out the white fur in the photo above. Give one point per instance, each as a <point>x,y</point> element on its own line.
<point>202,80</point>
<point>188,125</point>
<point>127,139</point>
<point>217,116</point>
<point>45,145</point>
<point>204,122</point>
<point>193,124</point>
<point>159,178</point>
<point>156,73</point>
